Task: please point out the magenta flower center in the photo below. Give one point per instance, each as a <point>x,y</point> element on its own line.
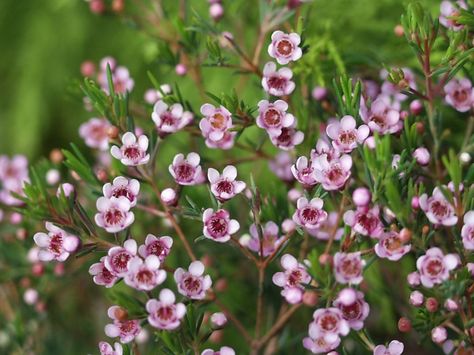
<point>392,243</point>
<point>132,152</point>
<point>284,138</point>
<point>439,208</point>
<point>123,191</point>
<point>167,119</point>
<point>434,267</point>
<point>310,214</point>
<point>351,311</point>
<point>165,312</point>
<point>294,278</point>
<point>98,132</point>
<point>272,117</point>
<point>284,47</point>
<point>335,174</point>
<point>277,82</point>
<point>347,137</point>
<point>379,120</point>
<point>107,275</point>
<point>367,221</point>
<point>350,267</point>
<point>156,248</point>
<point>184,172</point>
<point>192,284</point>
<point>120,260</point>
<point>328,322</point>
<point>127,326</point>
<point>114,216</point>
<point>55,244</point>
<point>225,186</point>
<point>218,121</point>
<point>218,226</point>
<point>460,95</point>
<point>145,276</point>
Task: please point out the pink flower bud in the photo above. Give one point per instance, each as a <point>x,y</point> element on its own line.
<point>361,196</point>
<point>218,320</point>
<point>451,305</point>
<point>294,194</point>
<point>319,93</point>
<point>65,188</point>
<point>216,11</point>
<point>416,298</point>
<point>416,107</point>
<point>88,68</point>
<point>181,69</point>
<point>422,156</point>
<point>288,226</point>
<point>59,269</point>
<point>431,304</point>
<point>37,269</point>
<point>415,202</point>
<point>370,142</point>
<point>403,115</point>
<point>97,6</point>
<point>347,296</point>
<point>30,296</point>
<point>439,335</point>
<point>168,196</point>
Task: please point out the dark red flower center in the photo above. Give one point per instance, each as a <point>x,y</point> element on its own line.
<point>114,216</point>
<point>192,284</point>
<point>56,243</point>
<point>434,267</point>
<point>350,267</point>
<point>351,311</point>
<point>218,226</point>
<point>120,260</point>
<point>132,152</point>
<point>328,322</point>
<point>277,82</point>
<point>225,186</point>
<point>272,117</point>
<point>347,137</point>
<point>284,47</point>
<point>184,172</point>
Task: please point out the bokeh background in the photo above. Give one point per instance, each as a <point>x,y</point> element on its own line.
<point>42,44</point>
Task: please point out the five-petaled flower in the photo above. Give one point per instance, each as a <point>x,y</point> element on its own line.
<point>192,283</point>
<point>277,82</point>
<point>133,150</point>
<point>292,280</point>
<point>126,329</point>
<point>285,47</point>
<point>218,226</point>
<point>114,213</point>
<point>57,244</point>
<point>434,266</point>
<point>224,186</point>
<point>187,171</point>
<point>170,119</point>
<point>164,313</point>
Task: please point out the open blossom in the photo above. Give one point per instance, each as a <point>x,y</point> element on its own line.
<point>277,82</point>
<point>226,142</point>
<point>107,349</point>
<point>281,166</point>
<point>158,246</point>
<point>353,312</point>
<point>122,186</point>
<point>114,213</point>
<point>170,119</point>
<point>216,121</point>
<point>324,148</point>
<point>328,323</point>
<point>365,221</point>
<point>101,275</point>
<point>285,47</point>
<point>56,245</point>
<point>437,208</point>
<point>126,329</point>
<point>467,231</point>
<point>447,13</point>
<point>144,275</point>
<point>193,283</point>
<point>345,135</point>
<point>381,117</point>
<point>118,257</point>
<point>303,171</point>
<point>272,116</point>
<point>309,214</point>
<point>151,96</point>
<point>218,226</point>
<point>288,139</point>
<point>459,94</point>
<point>390,246</point>
<point>95,133</point>
<point>165,313</point>
<point>327,228</point>
<point>225,350</point>
<point>320,345</point>
<point>224,186</point>
<point>270,241</point>
<point>132,152</point>
<point>348,268</point>
<point>434,266</point>
<point>120,77</point>
<point>394,348</point>
<point>187,171</point>
<point>333,174</point>
<point>292,280</point>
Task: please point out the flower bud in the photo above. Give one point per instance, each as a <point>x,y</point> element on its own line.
<point>361,196</point>
<point>414,279</point>
<point>416,107</point>
<point>398,30</point>
<point>405,235</point>
<point>59,269</point>
<point>65,188</point>
<point>121,314</point>
<point>288,226</point>
<point>439,335</point>
<point>216,336</point>
<point>420,128</point>
<point>325,259</point>
<point>404,325</point>
<point>16,218</point>
<point>319,93</point>
<point>451,305</point>
<point>294,194</point>
<point>422,156</point>
<point>30,296</point>
<point>221,285</point>
<point>168,196</point>
<point>118,6</point>
<point>465,157</point>
<point>102,175</point>
<point>416,298</point>
<point>206,260</point>
<point>347,296</point>
<point>97,6</point>
<point>310,298</point>
<point>431,304</point>
<point>404,115</point>
<point>425,230</point>
<point>415,202</point>
<point>218,320</point>
<point>56,156</point>
<point>113,132</point>
<point>216,11</point>
<point>142,337</point>
<point>53,176</point>
<point>21,234</point>
<point>181,69</point>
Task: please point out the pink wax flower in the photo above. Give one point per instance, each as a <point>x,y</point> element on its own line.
<point>158,246</point>
<point>439,335</point>
<point>459,94</point>
<point>303,171</point>
<point>225,350</point>
<point>328,227</point>
<point>324,148</point>
<point>13,176</point>
<point>292,280</point>
<point>218,226</point>
<point>437,208</point>
<point>319,345</point>
<point>365,221</point>
<point>126,329</point>
<point>416,298</point>
<point>95,133</point>
<point>218,320</point>
<point>381,117</point>
<point>277,82</point>
<point>170,119</point>
<point>144,275</point>
<point>107,349</point>
<point>413,279</point>
<point>447,13</point>
<point>165,313</point>
<point>309,214</point>
<point>319,93</point>
<point>192,283</point>
<point>152,95</point>
<point>332,175</point>
<point>114,213</point>
<point>354,312</point>
<point>56,245</point>
<point>187,171</point>
<point>348,268</point>
<point>225,143</point>
<point>391,247</point>
<point>345,135</point>
<point>102,275</point>
<point>394,348</point>
<point>65,188</point>
<point>288,139</point>
<point>422,156</point>
<point>120,77</point>
<point>361,197</point>
<point>224,186</point>
<point>434,266</point>
<point>118,257</point>
<point>272,116</point>
<point>285,47</point>
<point>281,166</point>
<point>271,238</point>
<point>132,152</point>
<point>122,186</point>
<point>328,323</point>
<point>467,231</point>
<point>216,121</point>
